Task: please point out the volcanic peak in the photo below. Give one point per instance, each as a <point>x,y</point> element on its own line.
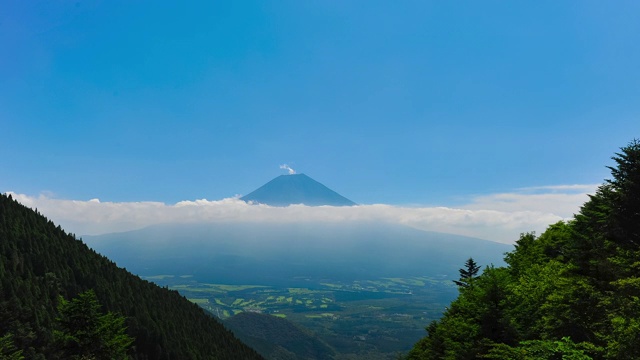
<point>292,189</point>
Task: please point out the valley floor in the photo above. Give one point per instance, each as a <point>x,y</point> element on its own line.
<point>365,319</point>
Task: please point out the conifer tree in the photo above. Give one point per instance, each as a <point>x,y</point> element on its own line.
<point>467,273</point>
<point>8,349</point>
<point>626,195</point>
<point>85,333</point>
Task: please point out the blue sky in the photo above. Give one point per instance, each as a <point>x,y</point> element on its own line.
<point>403,103</point>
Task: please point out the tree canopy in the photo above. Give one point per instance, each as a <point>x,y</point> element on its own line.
<point>84,332</point>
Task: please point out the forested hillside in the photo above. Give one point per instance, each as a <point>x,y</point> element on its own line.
<point>40,262</point>
<point>571,293</point>
<point>277,338</point>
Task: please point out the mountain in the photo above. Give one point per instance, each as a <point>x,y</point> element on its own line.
<point>278,339</point>
<point>39,263</point>
<point>273,254</point>
<point>296,189</point>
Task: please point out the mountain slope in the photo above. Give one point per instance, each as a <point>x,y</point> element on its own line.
<point>39,262</point>
<point>296,189</point>
<point>277,338</point>
<point>271,254</point>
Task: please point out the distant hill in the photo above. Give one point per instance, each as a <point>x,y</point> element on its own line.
<point>296,189</point>
<point>278,339</point>
<point>39,262</point>
<point>273,254</point>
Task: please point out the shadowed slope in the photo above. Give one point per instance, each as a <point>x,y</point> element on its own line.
<point>277,338</point>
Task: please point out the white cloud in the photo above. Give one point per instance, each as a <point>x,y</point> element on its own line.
<point>498,217</point>
<point>580,188</point>
<point>562,200</point>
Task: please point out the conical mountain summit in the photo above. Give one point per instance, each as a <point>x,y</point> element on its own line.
<point>296,189</point>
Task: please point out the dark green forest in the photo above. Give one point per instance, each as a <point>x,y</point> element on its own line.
<point>45,272</point>
<point>573,292</point>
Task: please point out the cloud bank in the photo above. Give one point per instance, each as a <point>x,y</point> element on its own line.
<point>498,217</point>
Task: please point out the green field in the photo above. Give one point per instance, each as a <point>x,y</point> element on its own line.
<point>362,319</point>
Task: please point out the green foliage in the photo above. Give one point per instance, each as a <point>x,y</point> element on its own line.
<point>474,320</point>
<point>563,349</point>
<point>571,293</point>
<point>8,350</point>
<point>84,332</point>
<point>528,296</point>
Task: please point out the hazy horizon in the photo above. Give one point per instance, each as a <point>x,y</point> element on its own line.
<point>497,217</point>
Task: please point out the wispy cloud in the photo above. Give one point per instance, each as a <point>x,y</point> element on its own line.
<point>499,217</point>
<point>561,200</point>
<point>288,168</point>
<point>579,188</point>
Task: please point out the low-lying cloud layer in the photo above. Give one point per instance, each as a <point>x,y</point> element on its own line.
<point>497,217</point>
